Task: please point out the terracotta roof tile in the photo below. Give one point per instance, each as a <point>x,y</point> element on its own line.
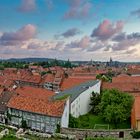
<point>36,100</point>
<point>74,81</point>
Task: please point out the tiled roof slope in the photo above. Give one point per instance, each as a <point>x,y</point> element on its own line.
<point>74,81</point>
<point>76,90</point>
<point>36,100</point>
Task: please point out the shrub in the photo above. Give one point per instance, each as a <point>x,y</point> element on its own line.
<point>136,134</point>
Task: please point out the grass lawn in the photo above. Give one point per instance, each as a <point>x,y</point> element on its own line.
<point>89,120</point>
<point>10,137</point>
<point>100,139</point>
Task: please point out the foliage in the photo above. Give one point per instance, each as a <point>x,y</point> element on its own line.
<point>95,100</point>
<point>23,123</point>
<point>62,97</point>
<point>115,106</point>
<point>73,122</point>
<point>105,78</point>
<point>89,121</point>
<point>10,137</point>
<point>98,76</point>
<point>136,134</point>
<point>1,67</point>
<point>8,116</point>
<point>18,65</point>
<point>49,72</point>
<point>44,64</point>
<point>100,138</point>
<point>43,73</point>
<point>58,128</point>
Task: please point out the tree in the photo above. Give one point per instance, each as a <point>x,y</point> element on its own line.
<point>116,106</point>
<point>23,124</point>
<point>43,73</point>
<point>58,128</point>
<point>95,100</point>
<point>98,76</point>
<point>73,122</point>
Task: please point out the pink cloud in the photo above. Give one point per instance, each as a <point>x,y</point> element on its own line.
<point>25,33</point>
<point>27,6</point>
<point>78,9</point>
<point>106,29</point>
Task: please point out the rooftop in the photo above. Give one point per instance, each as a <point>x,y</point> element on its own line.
<point>75,91</point>
<point>36,100</point>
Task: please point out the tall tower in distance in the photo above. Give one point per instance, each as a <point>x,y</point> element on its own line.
<point>111,60</point>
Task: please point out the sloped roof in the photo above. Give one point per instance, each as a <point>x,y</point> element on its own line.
<point>74,81</point>
<point>75,91</point>
<point>37,100</point>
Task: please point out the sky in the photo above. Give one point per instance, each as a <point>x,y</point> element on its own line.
<point>70,29</point>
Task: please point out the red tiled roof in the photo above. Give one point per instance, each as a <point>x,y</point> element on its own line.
<point>36,100</point>
<point>126,87</point>
<point>48,78</point>
<point>126,78</point>
<point>4,81</point>
<point>74,81</point>
<point>134,71</point>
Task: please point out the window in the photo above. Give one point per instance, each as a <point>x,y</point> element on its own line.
<point>77,101</point>
<point>47,119</point>
<point>73,105</point>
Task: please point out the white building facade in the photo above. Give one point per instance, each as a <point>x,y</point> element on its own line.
<point>81,105</point>
<point>80,97</point>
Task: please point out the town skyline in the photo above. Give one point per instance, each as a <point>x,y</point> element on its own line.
<point>75,30</point>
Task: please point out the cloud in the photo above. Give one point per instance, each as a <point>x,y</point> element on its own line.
<point>96,46</point>
<point>70,32</point>
<point>12,38</point>
<point>27,6</point>
<point>119,37</point>
<point>78,9</point>
<point>131,51</point>
<point>136,13</point>
<point>83,43</point>
<point>106,29</point>
<point>124,41</point>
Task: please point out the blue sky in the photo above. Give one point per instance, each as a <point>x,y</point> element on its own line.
<point>70,29</point>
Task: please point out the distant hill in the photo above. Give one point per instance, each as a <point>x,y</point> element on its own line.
<point>28,59</point>
<point>51,59</point>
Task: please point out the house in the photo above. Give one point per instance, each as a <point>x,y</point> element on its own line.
<point>47,81</point>
<point>31,80</point>
<point>134,71</point>
<point>35,106</point>
<point>4,99</point>
<point>125,83</point>
<point>80,97</point>
<point>72,81</point>
<point>135,114</point>
<point>52,82</point>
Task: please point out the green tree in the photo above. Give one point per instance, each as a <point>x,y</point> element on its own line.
<point>43,73</point>
<point>98,76</point>
<point>95,100</point>
<point>73,122</point>
<point>23,124</point>
<point>1,67</point>
<point>116,106</point>
<point>58,128</point>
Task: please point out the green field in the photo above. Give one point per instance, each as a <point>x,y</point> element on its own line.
<point>89,121</point>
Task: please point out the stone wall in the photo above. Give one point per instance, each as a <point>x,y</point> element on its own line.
<point>83,133</point>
